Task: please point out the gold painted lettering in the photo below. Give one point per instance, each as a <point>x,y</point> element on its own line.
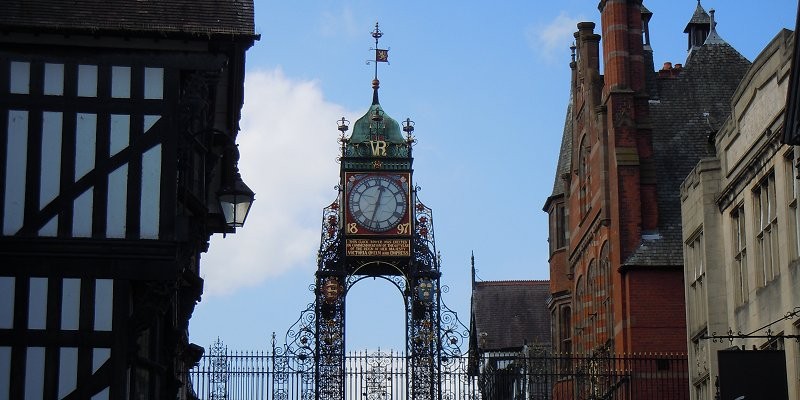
<point>378,148</point>
<point>404,229</point>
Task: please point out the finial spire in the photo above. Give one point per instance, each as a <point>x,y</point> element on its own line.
<point>377,34</point>
<point>472,264</point>
<point>381,55</point>
<point>713,36</point>
<point>712,24</point>
<point>572,49</point>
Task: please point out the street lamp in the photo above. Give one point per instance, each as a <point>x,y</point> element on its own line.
<point>235,200</point>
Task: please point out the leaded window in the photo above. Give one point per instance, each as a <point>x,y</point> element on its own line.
<point>739,254</point>
<point>697,302</point>
<point>766,230</point>
<point>558,228</point>
<point>793,214</point>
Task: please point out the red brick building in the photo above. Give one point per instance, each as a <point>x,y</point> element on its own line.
<point>631,136</point>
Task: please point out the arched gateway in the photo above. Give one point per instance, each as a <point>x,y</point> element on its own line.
<point>376,228</point>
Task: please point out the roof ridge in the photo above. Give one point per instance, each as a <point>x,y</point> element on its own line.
<point>512,281</point>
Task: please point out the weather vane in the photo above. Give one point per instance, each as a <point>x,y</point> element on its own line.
<point>381,55</point>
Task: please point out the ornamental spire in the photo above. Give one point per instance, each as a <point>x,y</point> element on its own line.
<point>381,55</point>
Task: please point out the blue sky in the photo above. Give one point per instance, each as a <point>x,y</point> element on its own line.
<point>487,84</point>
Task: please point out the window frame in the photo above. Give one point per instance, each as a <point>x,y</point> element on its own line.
<point>739,242</point>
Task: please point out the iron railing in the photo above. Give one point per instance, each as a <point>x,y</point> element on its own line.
<point>547,376</point>
<point>224,375</point>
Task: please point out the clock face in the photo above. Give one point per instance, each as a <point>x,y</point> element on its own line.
<point>377,203</point>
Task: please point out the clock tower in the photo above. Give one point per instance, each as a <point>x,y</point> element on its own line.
<point>376,189</point>
<point>377,228</point>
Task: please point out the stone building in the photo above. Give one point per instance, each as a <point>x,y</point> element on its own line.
<point>740,231</point>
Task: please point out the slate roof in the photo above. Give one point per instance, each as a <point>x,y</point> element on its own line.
<point>565,154</point>
<point>164,17</point>
<point>700,17</point>
<point>645,10</point>
<point>681,138</point>
<point>508,314</point>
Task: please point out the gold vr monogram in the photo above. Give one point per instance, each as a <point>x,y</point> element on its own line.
<point>378,148</point>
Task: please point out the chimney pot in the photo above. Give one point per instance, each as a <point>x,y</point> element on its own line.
<point>667,65</point>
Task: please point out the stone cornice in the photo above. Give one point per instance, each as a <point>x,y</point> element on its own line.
<point>760,159</point>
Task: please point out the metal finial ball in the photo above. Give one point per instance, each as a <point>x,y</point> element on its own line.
<point>376,83</point>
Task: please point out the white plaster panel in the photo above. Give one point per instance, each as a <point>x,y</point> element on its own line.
<point>50,229</point>
<point>154,83</point>
<point>85,143</point>
<point>103,304</point>
<point>99,356</point>
<point>121,82</point>
<point>20,79</point>
<point>120,133</point>
<point>116,210</point>
<point>103,395</point>
<point>37,303</point>
<point>149,121</point>
<point>82,214</point>
<point>5,372</point>
<point>34,373</point>
<point>16,160</point>
<point>51,157</point>
<point>67,371</point>
<point>54,79</point>
<point>151,193</point>
<point>70,304</point>
<point>87,80</point>
<point>7,291</point>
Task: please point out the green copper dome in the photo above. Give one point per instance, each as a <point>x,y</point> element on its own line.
<point>377,140</point>
<point>385,128</point>
<point>375,124</point>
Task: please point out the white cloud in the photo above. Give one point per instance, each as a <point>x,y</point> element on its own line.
<point>288,147</point>
<point>343,22</point>
<point>551,40</point>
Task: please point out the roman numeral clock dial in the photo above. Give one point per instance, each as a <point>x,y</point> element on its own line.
<point>377,203</point>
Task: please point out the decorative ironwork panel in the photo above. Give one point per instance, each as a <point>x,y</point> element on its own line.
<point>530,374</point>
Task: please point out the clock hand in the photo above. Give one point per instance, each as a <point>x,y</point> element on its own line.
<point>377,203</point>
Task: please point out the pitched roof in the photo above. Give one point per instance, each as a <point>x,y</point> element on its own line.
<point>192,17</point>
<point>689,108</point>
<point>565,154</point>
<point>509,314</point>
<point>700,17</point>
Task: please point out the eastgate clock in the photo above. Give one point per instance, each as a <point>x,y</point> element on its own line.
<point>377,203</point>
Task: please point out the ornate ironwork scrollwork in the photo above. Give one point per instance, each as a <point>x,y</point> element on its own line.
<point>378,377</point>
<point>329,255</point>
<point>424,256</point>
<point>769,334</point>
<point>219,371</point>
<point>453,332</point>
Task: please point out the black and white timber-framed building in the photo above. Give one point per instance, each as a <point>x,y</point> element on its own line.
<point>118,122</point>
